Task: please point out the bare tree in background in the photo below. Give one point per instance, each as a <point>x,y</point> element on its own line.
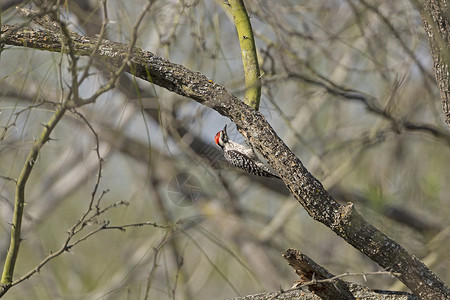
<point>89,149</point>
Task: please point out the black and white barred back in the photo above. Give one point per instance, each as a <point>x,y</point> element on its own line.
<point>241,156</point>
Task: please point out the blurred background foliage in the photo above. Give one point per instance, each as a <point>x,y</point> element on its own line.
<point>348,86</point>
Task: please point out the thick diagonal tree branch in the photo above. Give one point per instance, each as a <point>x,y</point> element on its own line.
<point>345,221</point>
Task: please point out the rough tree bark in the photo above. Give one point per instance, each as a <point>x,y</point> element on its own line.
<point>436,19</point>
<point>320,286</point>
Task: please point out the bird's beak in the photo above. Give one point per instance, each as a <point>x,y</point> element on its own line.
<point>225,128</point>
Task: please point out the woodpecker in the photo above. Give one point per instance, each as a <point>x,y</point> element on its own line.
<point>241,156</point>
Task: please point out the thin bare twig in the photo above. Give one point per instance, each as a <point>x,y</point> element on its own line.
<point>126,61</point>
<point>372,105</point>
<point>66,246</point>
<point>8,178</point>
